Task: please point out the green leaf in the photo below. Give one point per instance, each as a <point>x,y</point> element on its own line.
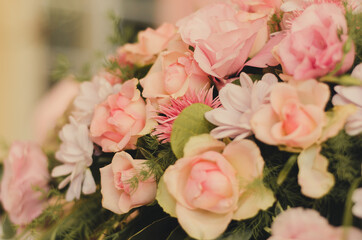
<point>190,122</point>
<point>9,230</point>
<point>345,80</point>
<point>286,169</point>
<point>348,218</point>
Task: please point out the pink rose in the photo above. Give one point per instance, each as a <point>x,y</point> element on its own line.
<point>172,75</point>
<point>222,38</point>
<point>307,224</point>
<point>119,194</point>
<point>111,78</point>
<point>295,116</point>
<point>205,189</point>
<point>25,169</point>
<point>117,121</point>
<point>301,224</point>
<point>150,43</point>
<point>314,45</point>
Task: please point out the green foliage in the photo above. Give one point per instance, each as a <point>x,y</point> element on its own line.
<point>159,156</point>
<point>149,222</point>
<point>190,122</point>
<point>252,228</point>
<point>274,22</point>
<point>122,32</point>
<point>344,155</point>
<point>126,72</point>
<point>85,73</point>
<point>86,220</point>
<point>123,72</point>
<point>354,22</point>
<point>61,69</point>
<point>52,213</point>
<point>8,228</point>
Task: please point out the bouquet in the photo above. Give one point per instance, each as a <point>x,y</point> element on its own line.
<point>242,121</point>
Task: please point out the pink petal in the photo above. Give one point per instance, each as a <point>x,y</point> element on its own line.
<point>262,123</point>
<point>110,194</point>
<point>264,57</point>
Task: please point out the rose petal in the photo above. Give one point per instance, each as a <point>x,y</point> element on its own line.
<point>253,200</point>
<point>110,194</point>
<point>202,143</point>
<point>245,157</point>
<point>201,224</point>
<point>313,177</point>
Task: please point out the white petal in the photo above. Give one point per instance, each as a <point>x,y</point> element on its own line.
<point>63,183</point>
<point>89,185</point>
<point>62,170</point>
<point>74,189</point>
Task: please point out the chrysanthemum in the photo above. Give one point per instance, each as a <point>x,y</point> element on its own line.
<point>91,94</point>
<point>75,153</point>
<point>351,95</point>
<point>239,103</point>
<point>169,112</point>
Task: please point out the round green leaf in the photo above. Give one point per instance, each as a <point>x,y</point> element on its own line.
<point>190,122</point>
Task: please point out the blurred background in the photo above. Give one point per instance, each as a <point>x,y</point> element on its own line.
<point>41,41</point>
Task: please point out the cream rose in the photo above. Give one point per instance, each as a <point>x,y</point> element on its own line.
<point>206,189</point>
<point>295,116</point>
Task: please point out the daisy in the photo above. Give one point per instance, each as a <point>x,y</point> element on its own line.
<point>169,112</point>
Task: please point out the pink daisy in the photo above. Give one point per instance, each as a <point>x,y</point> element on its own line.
<point>169,112</point>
